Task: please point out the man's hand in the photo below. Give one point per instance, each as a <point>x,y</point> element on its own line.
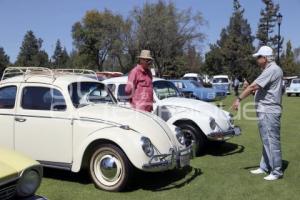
<point>236,105</point>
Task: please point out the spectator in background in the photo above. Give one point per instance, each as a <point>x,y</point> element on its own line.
<point>236,84</point>
<point>139,86</point>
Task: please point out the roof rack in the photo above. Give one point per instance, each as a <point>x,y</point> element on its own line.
<point>10,72</point>
<point>27,72</point>
<point>85,72</point>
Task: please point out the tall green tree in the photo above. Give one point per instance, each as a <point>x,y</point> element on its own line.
<point>31,53</point>
<point>96,36</point>
<point>166,32</point>
<point>4,60</point>
<point>266,33</point>
<point>288,61</point>
<point>232,54</point>
<point>60,56</point>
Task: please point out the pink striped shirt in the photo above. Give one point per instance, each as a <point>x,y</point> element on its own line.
<point>140,88</point>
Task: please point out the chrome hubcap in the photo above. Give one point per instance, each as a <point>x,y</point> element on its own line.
<point>110,168</point>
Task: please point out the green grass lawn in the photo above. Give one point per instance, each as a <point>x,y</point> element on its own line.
<point>222,173</point>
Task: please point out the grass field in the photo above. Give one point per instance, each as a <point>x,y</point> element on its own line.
<point>222,173</point>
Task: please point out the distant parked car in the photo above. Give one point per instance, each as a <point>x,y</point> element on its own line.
<point>193,76</point>
<point>294,87</point>
<point>221,82</point>
<point>200,121</point>
<point>20,176</point>
<point>194,89</point>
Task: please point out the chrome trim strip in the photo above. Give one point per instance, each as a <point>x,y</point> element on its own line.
<point>56,165</point>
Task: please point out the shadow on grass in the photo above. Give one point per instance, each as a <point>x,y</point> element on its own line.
<point>285,165</point>
<point>159,181</point>
<point>223,148</point>
<point>82,177</point>
<point>162,181</point>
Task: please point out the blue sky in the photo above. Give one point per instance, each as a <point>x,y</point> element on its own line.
<point>53,19</point>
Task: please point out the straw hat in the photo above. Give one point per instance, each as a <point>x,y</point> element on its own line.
<point>145,54</point>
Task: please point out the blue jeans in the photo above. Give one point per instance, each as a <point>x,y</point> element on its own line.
<point>269,129</point>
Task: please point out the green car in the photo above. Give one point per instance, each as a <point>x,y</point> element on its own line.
<point>20,176</point>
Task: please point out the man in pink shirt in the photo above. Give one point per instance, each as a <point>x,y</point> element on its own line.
<point>139,86</point>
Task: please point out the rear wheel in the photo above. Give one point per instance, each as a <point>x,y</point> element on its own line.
<point>288,94</point>
<point>193,134</point>
<point>297,94</point>
<point>110,168</point>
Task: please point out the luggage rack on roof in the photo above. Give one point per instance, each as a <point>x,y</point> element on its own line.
<point>27,72</point>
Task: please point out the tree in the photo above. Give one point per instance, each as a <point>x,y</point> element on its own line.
<point>4,60</point>
<point>96,36</point>
<point>232,54</point>
<point>60,56</point>
<point>265,33</point>
<point>165,31</point>
<point>288,63</point>
<point>30,52</point>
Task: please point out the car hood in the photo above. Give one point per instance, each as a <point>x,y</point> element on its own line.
<point>146,124</point>
<point>12,164</point>
<point>205,108</point>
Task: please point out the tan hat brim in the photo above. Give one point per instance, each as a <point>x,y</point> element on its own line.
<point>143,57</point>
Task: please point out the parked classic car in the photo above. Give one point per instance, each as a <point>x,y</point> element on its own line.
<point>195,90</point>
<point>70,121</point>
<point>20,176</point>
<point>294,87</point>
<point>221,82</point>
<point>200,121</point>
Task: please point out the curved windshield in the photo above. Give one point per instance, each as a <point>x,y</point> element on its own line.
<point>165,89</point>
<point>220,80</point>
<point>296,81</point>
<point>84,93</point>
<point>190,78</point>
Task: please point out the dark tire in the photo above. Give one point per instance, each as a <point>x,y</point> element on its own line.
<point>297,94</point>
<point>288,94</point>
<point>110,168</point>
<point>193,133</point>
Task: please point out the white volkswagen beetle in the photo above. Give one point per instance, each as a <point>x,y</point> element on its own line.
<point>200,121</point>
<point>71,121</point>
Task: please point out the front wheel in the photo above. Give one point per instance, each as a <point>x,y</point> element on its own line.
<point>288,94</point>
<point>110,168</point>
<point>193,134</point>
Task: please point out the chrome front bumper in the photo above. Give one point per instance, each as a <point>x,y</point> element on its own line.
<point>175,159</point>
<point>224,135</point>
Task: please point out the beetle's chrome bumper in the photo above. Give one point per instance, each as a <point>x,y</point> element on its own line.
<point>175,159</point>
<point>224,135</point>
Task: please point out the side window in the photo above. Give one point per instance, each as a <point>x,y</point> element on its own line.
<point>42,98</point>
<point>122,94</point>
<point>8,97</point>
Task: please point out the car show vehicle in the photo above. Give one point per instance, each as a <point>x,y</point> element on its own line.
<point>194,89</point>
<point>20,176</point>
<point>293,88</point>
<point>200,121</point>
<point>70,121</point>
<point>221,82</point>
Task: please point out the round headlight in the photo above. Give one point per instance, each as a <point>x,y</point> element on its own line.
<point>212,123</point>
<point>147,146</point>
<point>29,183</point>
<point>180,136</point>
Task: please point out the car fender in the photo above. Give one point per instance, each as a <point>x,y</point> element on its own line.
<point>200,119</point>
<point>128,140</point>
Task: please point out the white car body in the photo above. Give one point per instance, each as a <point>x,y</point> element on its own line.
<point>64,138</point>
<point>294,87</point>
<point>178,109</point>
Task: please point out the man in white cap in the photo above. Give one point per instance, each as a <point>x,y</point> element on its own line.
<point>268,95</point>
<point>139,86</point>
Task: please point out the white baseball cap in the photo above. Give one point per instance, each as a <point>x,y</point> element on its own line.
<point>264,51</point>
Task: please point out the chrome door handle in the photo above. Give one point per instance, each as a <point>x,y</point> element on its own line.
<point>19,119</point>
